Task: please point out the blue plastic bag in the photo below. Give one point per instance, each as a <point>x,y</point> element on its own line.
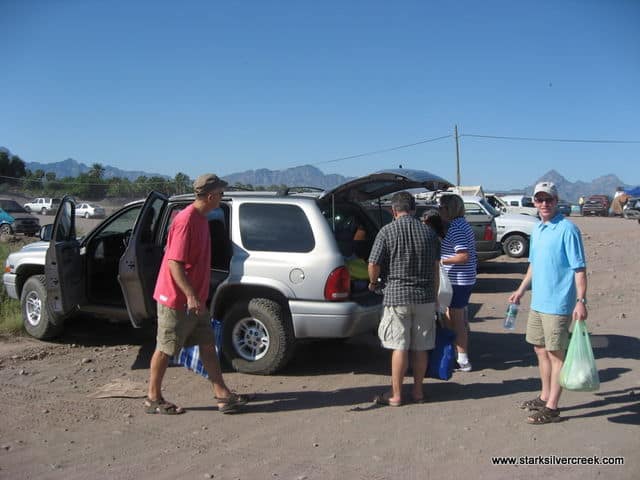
<point>442,357</point>
<point>579,371</point>
<point>189,357</point>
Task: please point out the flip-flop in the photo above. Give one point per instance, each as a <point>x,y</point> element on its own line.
<point>384,400</point>
<point>162,407</point>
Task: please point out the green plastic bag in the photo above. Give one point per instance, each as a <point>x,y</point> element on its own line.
<point>579,371</point>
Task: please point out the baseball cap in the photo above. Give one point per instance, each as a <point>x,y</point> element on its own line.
<point>207,183</point>
<point>546,187</point>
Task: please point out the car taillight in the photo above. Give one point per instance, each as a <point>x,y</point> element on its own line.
<point>338,285</point>
<point>489,234</point>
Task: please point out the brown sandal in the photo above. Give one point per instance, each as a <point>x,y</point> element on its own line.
<point>162,407</point>
<point>544,415</point>
<point>533,405</point>
<point>232,403</point>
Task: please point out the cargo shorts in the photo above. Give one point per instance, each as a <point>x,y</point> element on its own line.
<point>408,327</point>
<point>178,328</point>
<point>548,330</point>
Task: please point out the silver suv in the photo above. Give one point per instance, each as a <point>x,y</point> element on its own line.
<point>278,272</point>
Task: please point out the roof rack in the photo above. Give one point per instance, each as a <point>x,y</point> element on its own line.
<point>283,192</point>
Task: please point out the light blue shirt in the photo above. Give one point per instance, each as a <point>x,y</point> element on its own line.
<point>555,253</point>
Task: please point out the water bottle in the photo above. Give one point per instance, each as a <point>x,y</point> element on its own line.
<point>510,318</point>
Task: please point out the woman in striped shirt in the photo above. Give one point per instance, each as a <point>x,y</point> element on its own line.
<point>459,260</point>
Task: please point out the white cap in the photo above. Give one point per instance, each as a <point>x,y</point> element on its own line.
<point>546,187</point>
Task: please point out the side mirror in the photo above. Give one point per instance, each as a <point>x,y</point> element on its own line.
<point>45,232</point>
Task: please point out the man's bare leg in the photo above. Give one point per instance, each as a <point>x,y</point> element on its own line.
<point>211,364</point>
<point>556,359</point>
<point>399,365</point>
<point>420,363</point>
<point>544,366</point>
<point>159,364</point>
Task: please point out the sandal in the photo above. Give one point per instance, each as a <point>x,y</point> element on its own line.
<point>544,415</point>
<point>162,407</point>
<point>385,400</point>
<point>533,405</point>
<point>232,403</point>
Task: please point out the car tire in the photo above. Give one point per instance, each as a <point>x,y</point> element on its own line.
<point>516,246</point>
<point>36,316</point>
<point>43,211</point>
<point>5,229</point>
<point>86,215</point>
<point>27,209</point>
<point>257,336</point>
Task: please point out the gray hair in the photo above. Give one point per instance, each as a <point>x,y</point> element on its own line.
<point>403,202</point>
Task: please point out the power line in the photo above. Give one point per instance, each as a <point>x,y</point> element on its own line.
<point>536,139</point>
<point>391,149</point>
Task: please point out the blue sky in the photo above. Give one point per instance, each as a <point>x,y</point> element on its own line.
<point>217,86</point>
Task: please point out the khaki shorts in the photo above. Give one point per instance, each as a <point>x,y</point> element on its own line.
<point>408,327</point>
<point>176,329</point>
<point>548,330</point>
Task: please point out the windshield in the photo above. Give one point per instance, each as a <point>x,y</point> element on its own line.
<point>11,206</point>
<point>489,208</point>
<point>527,202</point>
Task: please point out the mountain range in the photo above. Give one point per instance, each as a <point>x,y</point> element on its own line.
<point>311,176</point>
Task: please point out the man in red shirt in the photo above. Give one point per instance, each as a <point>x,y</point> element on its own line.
<point>181,292</point>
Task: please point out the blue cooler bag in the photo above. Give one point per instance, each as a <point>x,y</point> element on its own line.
<point>442,357</point>
<point>189,357</point>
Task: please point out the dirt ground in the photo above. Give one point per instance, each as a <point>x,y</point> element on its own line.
<point>315,420</point>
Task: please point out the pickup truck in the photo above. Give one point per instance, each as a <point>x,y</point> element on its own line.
<point>43,205</point>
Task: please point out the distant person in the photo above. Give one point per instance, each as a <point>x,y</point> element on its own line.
<point>558,293</point>
<point>181,292</point>
<point>408,252</point>
<point>459,260</point>
<point>581,203</point>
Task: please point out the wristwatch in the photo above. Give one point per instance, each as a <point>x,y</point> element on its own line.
<point>582,300</point>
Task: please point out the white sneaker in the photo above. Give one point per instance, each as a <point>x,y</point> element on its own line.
<point>464,367</point>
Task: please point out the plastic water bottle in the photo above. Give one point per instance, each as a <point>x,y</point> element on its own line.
<point>510,318</point>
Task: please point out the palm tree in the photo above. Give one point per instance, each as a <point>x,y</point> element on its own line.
<point>96,171</point>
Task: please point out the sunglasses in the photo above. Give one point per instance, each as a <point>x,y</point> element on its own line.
<point>546,200</point>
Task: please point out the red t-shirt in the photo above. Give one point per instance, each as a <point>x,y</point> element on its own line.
<point>189,243</point>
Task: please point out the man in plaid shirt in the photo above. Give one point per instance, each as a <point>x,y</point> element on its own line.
<point>406,253</point>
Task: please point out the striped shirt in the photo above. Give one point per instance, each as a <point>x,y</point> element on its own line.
<point>460,237</point>
<point>407,252</point>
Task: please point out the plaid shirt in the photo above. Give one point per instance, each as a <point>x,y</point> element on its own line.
<point>407,252</point>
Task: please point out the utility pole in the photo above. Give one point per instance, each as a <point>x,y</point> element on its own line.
<point>457,156</point>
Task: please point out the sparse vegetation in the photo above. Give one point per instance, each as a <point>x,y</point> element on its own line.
<point>10,318</point>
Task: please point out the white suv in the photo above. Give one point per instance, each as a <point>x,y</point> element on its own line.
<point>43,205</point>
<point>278,267</point>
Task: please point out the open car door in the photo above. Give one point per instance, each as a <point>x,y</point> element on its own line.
<point>63,264</point>
<point>139,265</point>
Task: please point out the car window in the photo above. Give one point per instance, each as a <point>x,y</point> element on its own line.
<point>275,228</point>
<point>120,224</point>
<point>11,206</point>
<point>471,208</point>
<point>487,206</point>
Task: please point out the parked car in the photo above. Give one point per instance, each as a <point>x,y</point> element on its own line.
<point>43,205</point>
<point>481,221</point>
<point>516,205</point>
<point>632,209</point>
<point>90,210</point>
<point>15,219</point>
<point>278,271</point>
<point>513,230</point>
<point>564,208</point>
<point>596,205</point>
